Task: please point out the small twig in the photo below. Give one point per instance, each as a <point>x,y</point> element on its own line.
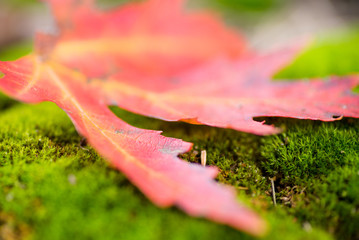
<point>203,158</point>
<point>273,190</point>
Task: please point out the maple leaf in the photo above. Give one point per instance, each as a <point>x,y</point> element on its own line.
<point>137,37</point>
<point>230,94</point>
<point>224,93</point>
<point>154,59</point>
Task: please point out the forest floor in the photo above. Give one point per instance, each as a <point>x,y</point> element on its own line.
<point>54,187</point>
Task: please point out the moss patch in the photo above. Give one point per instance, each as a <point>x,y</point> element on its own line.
<point>316,166</point>
<point>60,190</point>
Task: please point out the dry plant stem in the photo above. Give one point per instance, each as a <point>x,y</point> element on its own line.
<point>273,191</point>
<point>204,158</point>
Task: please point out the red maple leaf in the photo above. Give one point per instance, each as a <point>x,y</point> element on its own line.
<point>154,59</point>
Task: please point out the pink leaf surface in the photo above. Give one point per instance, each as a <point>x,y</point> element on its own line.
<point>93,45</point>
<point>155,59</point>
<point>229,94</point>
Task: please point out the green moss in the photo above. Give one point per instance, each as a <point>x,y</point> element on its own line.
<point>311,149</point>
<point>60,190</point>
<point>64,192</point>
<point>316,166</point>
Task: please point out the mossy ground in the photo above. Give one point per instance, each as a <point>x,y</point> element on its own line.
<point>53,187</point>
